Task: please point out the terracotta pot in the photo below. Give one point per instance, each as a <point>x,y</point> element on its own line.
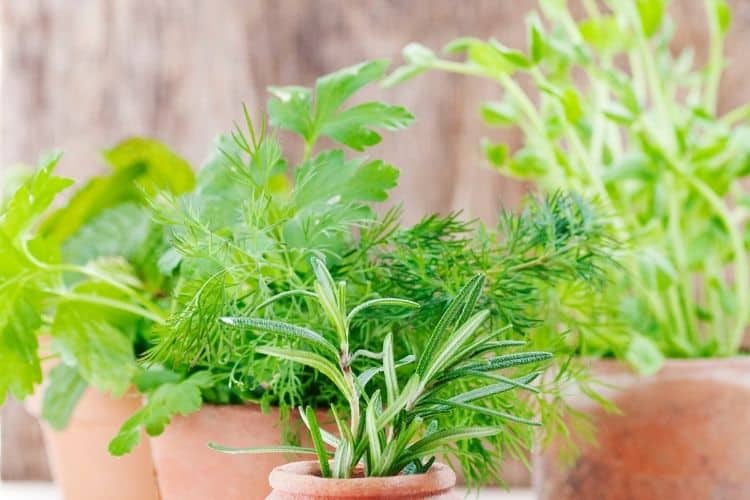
<point>80,462</point>
<point>301,481</point>
<point>188,470</point>
<point>682,435</point>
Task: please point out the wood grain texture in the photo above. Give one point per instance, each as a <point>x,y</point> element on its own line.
<point>81,75</point>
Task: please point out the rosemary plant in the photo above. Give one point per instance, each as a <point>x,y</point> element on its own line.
<point>392,426</point>
<point>614,114</point>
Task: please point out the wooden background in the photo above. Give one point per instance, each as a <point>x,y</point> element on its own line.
<point>79,75</point>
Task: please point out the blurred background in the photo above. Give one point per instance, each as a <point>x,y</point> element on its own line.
<point>80,75</point>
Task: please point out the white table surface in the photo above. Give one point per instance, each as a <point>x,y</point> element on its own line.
<point>27,490</point>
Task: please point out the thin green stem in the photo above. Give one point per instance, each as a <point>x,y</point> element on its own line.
<point>112,303</point>
<point>715,57</point>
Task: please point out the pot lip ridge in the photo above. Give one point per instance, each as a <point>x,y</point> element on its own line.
<point>671,365</point>
<point>301,478</point>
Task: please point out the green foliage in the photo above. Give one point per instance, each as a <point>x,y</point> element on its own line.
<point>312,113</point>
<point>547,268</point>
<point>169,399</point>
<point>243,239</point>
<point>392,426</point>
<point>643,138</point>
<point>84,275</point>
<point>65,388</point>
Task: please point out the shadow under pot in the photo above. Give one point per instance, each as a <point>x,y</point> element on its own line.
<point>302,481</point>
<point>187,469</point>
<point>682,435</point>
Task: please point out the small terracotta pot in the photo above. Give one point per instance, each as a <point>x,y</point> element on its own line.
<point>301,481</point>
<point>80,462</point>
<point>682,435</point>
<point>188,470</point>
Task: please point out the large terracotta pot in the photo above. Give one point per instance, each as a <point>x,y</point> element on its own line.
<point>80,462</point>
<point>188,470</point>
<point>683,435</point>
<point>302,481</point>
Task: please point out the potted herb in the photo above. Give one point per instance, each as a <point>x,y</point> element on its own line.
<point>81,290</point>
<point>391,438</point>
<point>246,235</point>
<point>615,114</point>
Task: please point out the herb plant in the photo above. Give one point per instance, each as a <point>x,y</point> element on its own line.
<point>244,238</point>
<point>392,427</point>
<point>83,276</point>
<point>247,233</point>
<point>614,114</point>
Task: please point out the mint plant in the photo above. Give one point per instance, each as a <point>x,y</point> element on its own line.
<point>83,276</point>
<point>614,114</point>
<point>391,426</point>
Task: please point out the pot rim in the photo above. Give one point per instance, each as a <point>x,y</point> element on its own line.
<point>301,478</point>
<point>738,359</point>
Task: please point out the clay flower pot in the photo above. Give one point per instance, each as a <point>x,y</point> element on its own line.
<point>301,481</point>
<point>80,462</point>
<point>187,469</point>
<point>682,435</point>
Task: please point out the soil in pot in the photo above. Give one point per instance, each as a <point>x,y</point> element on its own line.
<point>682,436</point>
<point>188,470</point>
<point>302,481</point>
<point>79,459</point>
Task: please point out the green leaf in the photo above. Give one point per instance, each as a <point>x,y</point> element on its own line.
<point>122,230</point>
<point>329,179</point>
<point>86,337</point>
<point>313,114</point>
<point>382,302</point>
<point>644,355</point>
<point>462,305</point>
<point>180,398</point>
<point>289,108</point>
<point>312,360</point>
<point>19,322</point>
<point>353,127</point>
<point>332,90</point>
<point>723,15</point>
<point>285,329</point>
<point>389,369</point>
<point>497,154</point>
<point>138,165</point>
<point>262,450</point>
<point>32,198</point>
<point>537,45</point>
<point>605,34</point>
<point>64,390</point>
<point>371,428</point>
<point>408,395</point>
<point>651,13</point>
<point>444,354</point>
<point>491,412</point>
<point>509,360</point>
<point>317,438</point>
<point>499,113</point>
<point>437,441</point>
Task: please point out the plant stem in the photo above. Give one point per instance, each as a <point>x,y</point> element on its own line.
<point>114,304</point>
<point>715,57</point>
